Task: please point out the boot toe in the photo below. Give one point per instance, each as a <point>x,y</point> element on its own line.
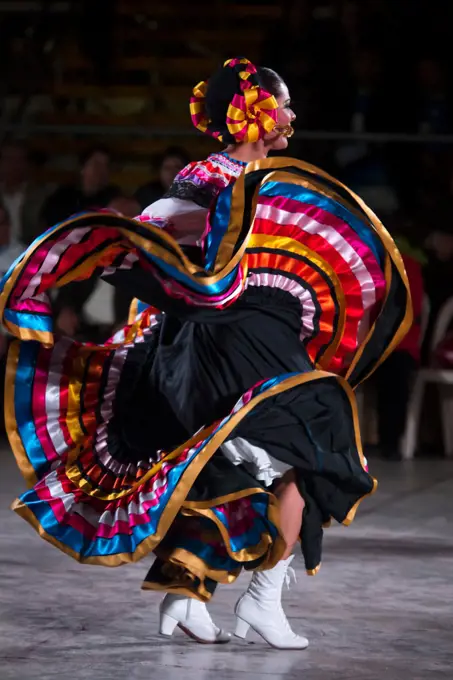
<point>298,642</point>
<point>222,637</point>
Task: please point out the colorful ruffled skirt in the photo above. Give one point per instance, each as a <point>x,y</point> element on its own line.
<point>166,439</point>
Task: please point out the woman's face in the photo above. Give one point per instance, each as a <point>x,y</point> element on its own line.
<point>285,116</point>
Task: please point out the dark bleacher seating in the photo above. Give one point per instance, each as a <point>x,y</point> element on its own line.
<point>159,52</point>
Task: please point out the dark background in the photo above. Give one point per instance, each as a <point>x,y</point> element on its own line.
<point>93,94</point>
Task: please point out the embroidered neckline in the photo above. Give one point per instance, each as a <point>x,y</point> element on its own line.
<point>231,164</point>
<point>233,160</point>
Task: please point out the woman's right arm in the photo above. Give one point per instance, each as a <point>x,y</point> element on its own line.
<point>182,219</point>
<point>182,212</point>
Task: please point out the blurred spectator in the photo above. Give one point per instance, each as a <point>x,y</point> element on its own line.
<point>93,191</point>
<point>435,216</point>
<point>21,197</point>
<point>9,251</point>
<point>10,248</point>
<point>372,177</point>
<point>434,106</point>
<point>4,344</point>
<point>125,205</point>
<point>438,271</point>
<point>70,304</point>
<point>121,299</point>
<point>172,161</point>
<point>395,376</point>
<point>364,106</point>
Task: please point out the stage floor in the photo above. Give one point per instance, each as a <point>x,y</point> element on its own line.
<point>380,609</point>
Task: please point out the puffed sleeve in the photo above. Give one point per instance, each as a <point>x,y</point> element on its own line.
<point>184,208</point>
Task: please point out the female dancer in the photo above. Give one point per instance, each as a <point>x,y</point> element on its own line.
<point>169,438</point>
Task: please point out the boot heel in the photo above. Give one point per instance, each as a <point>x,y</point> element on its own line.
<point>242,628</point>
<point>167,625</point>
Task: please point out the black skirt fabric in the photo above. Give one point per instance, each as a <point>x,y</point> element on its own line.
<point>122,443</point>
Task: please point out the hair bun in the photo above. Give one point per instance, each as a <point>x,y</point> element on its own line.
<point>250,114</point>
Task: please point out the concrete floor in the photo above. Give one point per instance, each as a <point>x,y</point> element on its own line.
<point>381,607</point>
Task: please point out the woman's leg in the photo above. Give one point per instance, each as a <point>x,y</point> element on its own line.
<point>291,508</point>
<point>260,606</point>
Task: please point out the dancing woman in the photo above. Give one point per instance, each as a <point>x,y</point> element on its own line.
<point>218,427</point>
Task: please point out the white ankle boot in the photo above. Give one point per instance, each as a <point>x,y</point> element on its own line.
<point>260,608</point>
<point>192,617</point>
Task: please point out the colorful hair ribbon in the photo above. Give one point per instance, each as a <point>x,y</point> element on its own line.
<point>252,112</point>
